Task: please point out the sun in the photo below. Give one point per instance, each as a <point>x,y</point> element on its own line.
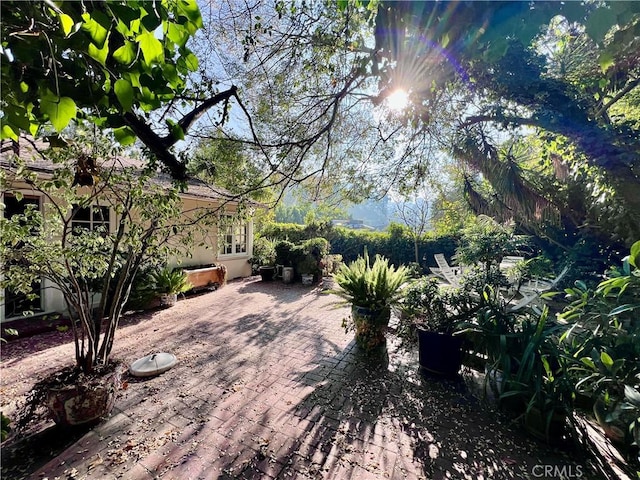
<point>397,100</point>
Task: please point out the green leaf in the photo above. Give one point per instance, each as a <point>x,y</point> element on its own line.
<point>19,196</point>
<point>191,61</point>
<point>60,110</point>
<point>95,24</point>
<point>124,92</point>
<point>126,54</point>
<point>588,362</point>
<point>177,34</point>
<point>623,308</point>
<point>151,47</point>
<point>606,360</point>
<point>133,78</point>
<point>189,8</point>
<point>177,132</point>
<point>66,22</point>
<point>605,60</point>
<point>125,136</point>
<point>8,132</point>
<point>99,54</point>
<point>171,75</point>
<point>635,254</point>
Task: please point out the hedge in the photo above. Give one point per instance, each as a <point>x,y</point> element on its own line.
<point>395,243</point>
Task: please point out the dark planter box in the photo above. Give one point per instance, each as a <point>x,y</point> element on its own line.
<point>439,353</point>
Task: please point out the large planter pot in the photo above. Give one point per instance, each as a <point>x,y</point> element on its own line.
<point>287,274</point>
<point>267,273</point>
<point>85,402</point>
<point>439,353</point>
<point>307,279</point>
<point>168,299</point>
<point>370,326</point>
<point>545,428</point>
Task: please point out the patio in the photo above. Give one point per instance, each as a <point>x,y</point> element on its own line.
<point>268,385</point>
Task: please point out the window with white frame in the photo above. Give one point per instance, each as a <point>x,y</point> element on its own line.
<point>234,237</point>
<point>91,218</point>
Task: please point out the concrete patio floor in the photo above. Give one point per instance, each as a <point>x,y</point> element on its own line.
<point>268,385</point>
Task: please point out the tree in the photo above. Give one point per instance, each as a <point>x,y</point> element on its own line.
<point>91,265</point>
<point>121,65</point>
<point>488,53</point>
<point>415,213</point>
<point>230,165</point>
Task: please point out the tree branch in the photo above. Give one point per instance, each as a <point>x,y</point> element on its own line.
<point>160,146</point>
<point>630,86</point>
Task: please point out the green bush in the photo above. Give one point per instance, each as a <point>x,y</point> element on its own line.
<point>264,253</point>
<point>169,280</point>
<point>395,243</point>
<point>284,253</point>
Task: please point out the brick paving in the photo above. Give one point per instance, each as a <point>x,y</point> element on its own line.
<point>268,385</point>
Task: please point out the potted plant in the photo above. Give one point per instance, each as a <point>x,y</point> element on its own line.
<point>308,268</point>
<point>371,289</point>
<point>168,283</point>
<point>436,312</point>
<point>540,382</point>
<point>284,256</point>
<point>92,264</point>
<point>264,257</point>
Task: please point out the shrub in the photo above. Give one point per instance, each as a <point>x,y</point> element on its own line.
<point>284,253</point>
<point>264,253</point>
<point>169,280</point>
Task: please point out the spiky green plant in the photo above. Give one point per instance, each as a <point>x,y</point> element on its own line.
<point>169,280</point>
<point>373,286</point>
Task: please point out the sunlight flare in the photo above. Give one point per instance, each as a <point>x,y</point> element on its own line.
<point>398,100</point>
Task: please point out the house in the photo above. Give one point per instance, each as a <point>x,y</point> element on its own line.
<point>229,244</point>
<point>352,223</point>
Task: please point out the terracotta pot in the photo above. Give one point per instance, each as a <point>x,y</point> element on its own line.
<point>84,403</point>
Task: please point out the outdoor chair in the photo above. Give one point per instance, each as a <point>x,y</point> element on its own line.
<point>510,261</point>
<point>446,271</point>
<point>532,289</point>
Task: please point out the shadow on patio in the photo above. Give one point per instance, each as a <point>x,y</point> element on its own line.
<point>273,388</point>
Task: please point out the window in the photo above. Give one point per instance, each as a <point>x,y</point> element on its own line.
<point>234,238</point>
<point>92,218</point>
<point>15,304</point>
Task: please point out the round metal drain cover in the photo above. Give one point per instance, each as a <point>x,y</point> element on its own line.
<point>153,364</point>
